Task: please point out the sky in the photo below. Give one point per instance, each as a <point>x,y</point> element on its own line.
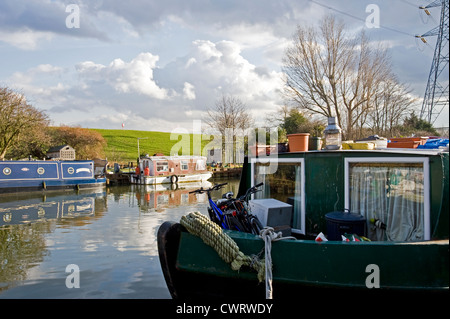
<point>159,65</point>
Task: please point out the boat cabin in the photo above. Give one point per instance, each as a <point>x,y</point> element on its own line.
<point>402,195</point>
<point>171,165</point>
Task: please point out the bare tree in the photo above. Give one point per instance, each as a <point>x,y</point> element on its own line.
<point>17,118</point>
<point>229,116</point>
<point>331,73</point>
<point>229,113</point>
<point>390,107</point>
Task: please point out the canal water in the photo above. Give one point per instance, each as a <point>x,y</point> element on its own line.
<point>88,244</point>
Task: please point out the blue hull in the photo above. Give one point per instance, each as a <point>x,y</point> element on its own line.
<point>17,176</point>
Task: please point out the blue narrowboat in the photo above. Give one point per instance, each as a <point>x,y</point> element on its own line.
<point>17,176</point>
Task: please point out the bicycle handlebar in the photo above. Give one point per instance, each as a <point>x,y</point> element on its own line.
<point>251,190</point>
<point>214,188</point>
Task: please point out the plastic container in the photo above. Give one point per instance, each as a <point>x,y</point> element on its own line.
<point>339,223</point>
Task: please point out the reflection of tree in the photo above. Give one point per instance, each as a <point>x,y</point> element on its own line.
<point>21,248</point>
<point>151,198</point>
<point>22,243</point>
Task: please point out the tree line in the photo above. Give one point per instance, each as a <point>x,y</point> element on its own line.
<point>25,132</point>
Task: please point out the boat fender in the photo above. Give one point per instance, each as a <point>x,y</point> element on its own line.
<point>44,186</point>
<point>78,187</point>
<point>174,179</point>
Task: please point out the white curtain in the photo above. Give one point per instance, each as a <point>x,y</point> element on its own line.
<point>391,194</point>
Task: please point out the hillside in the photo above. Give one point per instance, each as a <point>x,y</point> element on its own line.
<point>122,146</point>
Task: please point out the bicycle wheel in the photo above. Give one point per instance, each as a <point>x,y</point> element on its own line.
<point>256,225</point>
<point>234,223</point>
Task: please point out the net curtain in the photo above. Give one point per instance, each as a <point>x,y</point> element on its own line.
<point>392,195</point>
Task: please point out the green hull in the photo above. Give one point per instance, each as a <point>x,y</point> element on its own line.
<point>193,269</point>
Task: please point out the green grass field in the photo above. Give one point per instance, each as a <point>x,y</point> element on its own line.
<point>122,145</point>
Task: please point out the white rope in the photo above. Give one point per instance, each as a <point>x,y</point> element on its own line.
<point>268,235</point>
<point>211,233</point>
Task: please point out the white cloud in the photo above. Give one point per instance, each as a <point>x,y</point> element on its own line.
<point>189,91</point>
<point>24,38</point>
<point>135,76</point>
<point>147,96</point>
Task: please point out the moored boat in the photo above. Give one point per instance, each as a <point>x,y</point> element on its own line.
<point>401,196</point>
<point>153,170</point>
<point>19,176</point>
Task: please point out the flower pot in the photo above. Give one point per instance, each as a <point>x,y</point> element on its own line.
<point>315,143</point>
<point>298,142</point>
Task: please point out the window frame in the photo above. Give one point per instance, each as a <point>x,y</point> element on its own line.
<point>184,163</point>
<point>400,160</point>
<point>164,164</point>
<point>295,161</point>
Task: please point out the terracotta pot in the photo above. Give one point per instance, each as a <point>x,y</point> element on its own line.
<point>298,142</point>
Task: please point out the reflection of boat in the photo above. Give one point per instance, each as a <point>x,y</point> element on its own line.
<point>57,206</point>
<point>170,170</point>
<point>401,197</point>
<point>151,197</point>
<point>16,176</point>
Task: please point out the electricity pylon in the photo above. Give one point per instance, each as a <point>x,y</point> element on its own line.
<point>436,96</point>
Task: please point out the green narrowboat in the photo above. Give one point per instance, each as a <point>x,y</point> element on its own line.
<point>402,197</point>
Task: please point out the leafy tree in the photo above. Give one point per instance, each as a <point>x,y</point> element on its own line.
<point>296,122</point>
<point>414,125</point>
<point>88,144</point>
<point>19,121</point>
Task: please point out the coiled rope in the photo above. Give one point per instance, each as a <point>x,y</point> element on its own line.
<point>212,235</point>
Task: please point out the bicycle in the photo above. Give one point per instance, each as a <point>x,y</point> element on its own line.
<point>249,221</point>
<point>231,213</point>
<point>215,213</point>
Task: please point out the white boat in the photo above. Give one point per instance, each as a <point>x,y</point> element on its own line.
<point>153,170</point>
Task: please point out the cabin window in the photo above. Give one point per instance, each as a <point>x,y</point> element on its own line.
<point>393,191</point>
<point>162,166</point>
<point>184,165</point>
<point>283,180</point>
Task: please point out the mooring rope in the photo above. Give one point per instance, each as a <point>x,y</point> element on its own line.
<point>269,235</point>
<point>212,235</point>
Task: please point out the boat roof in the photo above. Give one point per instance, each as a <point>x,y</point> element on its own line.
<point>173,158</point>
<point>404,151</point>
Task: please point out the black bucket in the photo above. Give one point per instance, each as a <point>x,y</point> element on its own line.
<point>339,223</point>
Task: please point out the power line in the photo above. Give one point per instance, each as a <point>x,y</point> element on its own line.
<point>411,4</point>
<point>358,18</point>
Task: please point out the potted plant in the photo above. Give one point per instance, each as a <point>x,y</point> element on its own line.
<point>307,137</point>
<point>303,134</point>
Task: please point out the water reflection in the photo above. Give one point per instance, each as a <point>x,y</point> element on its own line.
<point>157,198</point>
<point>110,235</point>
<point>26,218</point>
<point>55,206</point>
